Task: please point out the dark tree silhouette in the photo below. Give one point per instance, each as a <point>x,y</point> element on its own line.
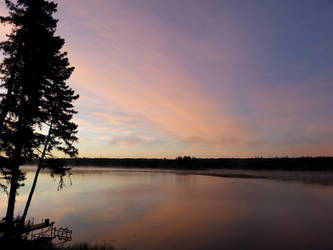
<point>34,95</point>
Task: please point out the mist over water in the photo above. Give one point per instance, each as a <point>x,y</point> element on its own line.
<point>160,210</point>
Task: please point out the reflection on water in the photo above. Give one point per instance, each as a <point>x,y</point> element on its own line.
<point>150,210</point>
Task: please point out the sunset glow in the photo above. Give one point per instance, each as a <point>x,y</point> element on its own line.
<point>202,78</point>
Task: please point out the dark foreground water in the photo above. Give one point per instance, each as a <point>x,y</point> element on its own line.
<point>154,210</point>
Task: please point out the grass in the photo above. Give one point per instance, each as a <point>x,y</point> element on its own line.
<point>27,245</point>
<point>85,246</point>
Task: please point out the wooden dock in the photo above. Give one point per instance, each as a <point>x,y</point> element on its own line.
<point>40,231</point>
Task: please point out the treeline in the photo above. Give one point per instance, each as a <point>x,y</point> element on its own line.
<point>187,162</point>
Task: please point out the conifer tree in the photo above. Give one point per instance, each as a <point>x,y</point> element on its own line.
<point>34,95</point>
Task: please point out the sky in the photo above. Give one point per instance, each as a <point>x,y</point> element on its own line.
<point>205,78</point>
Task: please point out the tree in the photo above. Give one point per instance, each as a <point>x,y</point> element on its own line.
<point>35,102</point>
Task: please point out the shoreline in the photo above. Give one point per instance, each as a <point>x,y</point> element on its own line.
<point>307,177</point>
<point>191,163</point>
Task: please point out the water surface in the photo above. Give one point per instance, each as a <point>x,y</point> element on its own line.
<point>155,210</point>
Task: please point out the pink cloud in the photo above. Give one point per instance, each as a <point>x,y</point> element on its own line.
<point>140,79</point>
<point>136,79</point>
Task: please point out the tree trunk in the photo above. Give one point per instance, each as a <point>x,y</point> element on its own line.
<point>14,185</point>
<point>15,177</point>
<point>27,205</point>
<point>33,187</point>
<point>12,194</point>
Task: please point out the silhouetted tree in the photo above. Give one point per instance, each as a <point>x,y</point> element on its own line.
<point>36,104</point>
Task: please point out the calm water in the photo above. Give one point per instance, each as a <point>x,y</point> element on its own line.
<point>152,210</point>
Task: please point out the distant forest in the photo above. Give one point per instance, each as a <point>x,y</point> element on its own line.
<point>186,162</point>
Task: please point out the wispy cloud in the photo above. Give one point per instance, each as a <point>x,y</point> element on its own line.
<point>156,93</point>
<point>130,140</point>
<point>201,80</point>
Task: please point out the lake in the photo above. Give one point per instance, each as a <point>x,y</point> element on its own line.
<point>152,210</point>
